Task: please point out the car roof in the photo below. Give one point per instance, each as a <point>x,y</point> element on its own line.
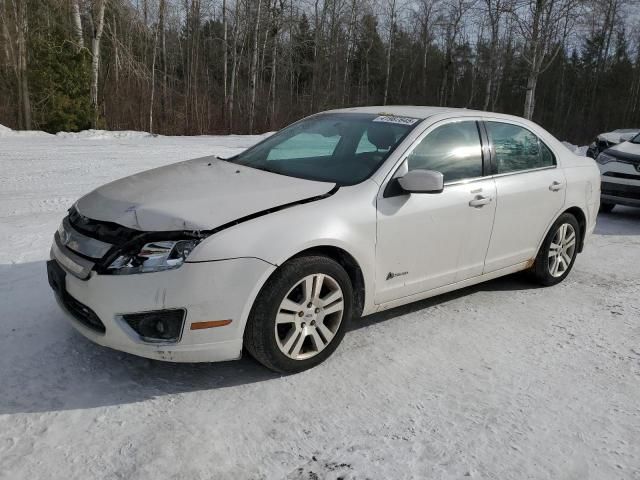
<point>422,112</point>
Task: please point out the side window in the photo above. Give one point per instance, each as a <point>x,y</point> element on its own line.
<point>548,159</point>
<point>516,148</point>
<point>453,149</point>
<point>305,145</point>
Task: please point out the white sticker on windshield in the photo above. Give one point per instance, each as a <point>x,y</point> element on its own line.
<point>394,119</point>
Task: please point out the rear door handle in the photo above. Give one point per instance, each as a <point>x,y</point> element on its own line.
<point>555,186</point>
<point>480,201</point>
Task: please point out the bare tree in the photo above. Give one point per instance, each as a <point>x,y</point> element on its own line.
<point>349,51</point>
<point>254,68</point>
<point>225,60</point>
<point>391,12</point>
<point>77,23</point>
<point>97,27</point>
<point>21,29</point>
<point>544,25</point>
<point>426,14</point>
<point>494,10</point>
<point>453,25</point>
<point>278,10</point>
<point>207,63</point>
<point>153,63</point>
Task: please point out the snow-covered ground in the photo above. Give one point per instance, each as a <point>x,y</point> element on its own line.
<point>503,380</point>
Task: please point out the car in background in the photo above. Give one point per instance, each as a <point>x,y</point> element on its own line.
<point>620,169</point>
<point>341,214</point>
<point>610,139</point>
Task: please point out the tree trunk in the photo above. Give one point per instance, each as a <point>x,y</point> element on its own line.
<point>163,43</point>
<point>225,49</point>
<point>274,78</point>
<point>77,23</point>
<point>425,56</point>
<point>153,66</point>
<point>530,97</point>
<point>98,26</point>
<point>116,55</point>
<point>491,67</point>
<point>350,40</point>
<point>6,37</point>
<point>24,106</point>
<point>389,48</point>
<point>533,60</point>
<point>254,69</point>
<point>234,68</point>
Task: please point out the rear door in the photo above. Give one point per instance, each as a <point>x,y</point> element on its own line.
<point>428,240</point>
<point>530,189</point>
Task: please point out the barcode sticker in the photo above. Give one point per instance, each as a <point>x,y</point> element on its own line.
<point>394,119</point>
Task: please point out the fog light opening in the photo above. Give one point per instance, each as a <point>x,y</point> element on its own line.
<point>157,326</point>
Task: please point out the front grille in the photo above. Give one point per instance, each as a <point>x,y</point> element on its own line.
<point>620,190</point>
<point>82,313</point>
<point>627,176</point>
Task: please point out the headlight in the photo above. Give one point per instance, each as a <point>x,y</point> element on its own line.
<point>603,158</point>
<point>154,257</point>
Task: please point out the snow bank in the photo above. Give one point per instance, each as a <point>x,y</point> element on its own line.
<point>104,134</point>
<point>85,134</point>
<point>7,132</point>
<point>582,151</point>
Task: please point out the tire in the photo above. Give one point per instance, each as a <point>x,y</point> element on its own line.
<point>292,328</point>
<point>606,207</point>
<point>551,266</point>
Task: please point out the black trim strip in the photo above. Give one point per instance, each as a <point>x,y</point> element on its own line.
<point>624,157</point>
<point>628,176</point>
<point>230,258</point>
<point>488,156</point>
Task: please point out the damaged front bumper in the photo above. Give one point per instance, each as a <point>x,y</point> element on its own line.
<point>214,297</point>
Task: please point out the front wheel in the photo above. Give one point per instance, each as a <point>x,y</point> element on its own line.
<point>300,315</point>
<point>558,251</point>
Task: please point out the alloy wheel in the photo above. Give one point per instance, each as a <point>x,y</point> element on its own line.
<point>562,250</point>
<point>309,316</point>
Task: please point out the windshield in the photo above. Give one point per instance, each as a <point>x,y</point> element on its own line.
<point>342,148</point>
<point>635,139</point>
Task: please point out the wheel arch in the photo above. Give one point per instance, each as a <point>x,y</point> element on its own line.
<point>580,216</point>
<point>348,262</point>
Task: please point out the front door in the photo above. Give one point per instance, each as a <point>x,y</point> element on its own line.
<point>425,241</point>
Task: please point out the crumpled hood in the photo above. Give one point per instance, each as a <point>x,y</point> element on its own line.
<point>199,194</point>
<point>616,137</point>
<point>626,148</point>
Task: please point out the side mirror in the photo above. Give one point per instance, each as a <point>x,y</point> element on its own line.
<point>422,181</point>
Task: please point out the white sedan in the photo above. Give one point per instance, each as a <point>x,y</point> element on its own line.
<point>342,214</point>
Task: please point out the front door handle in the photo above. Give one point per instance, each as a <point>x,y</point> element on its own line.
<point>480,201</point>
<point>556,186</point>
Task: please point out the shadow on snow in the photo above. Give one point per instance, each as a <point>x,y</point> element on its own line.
<point>48,366</point>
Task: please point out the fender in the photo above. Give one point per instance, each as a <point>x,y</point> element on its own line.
<point>335,221</point>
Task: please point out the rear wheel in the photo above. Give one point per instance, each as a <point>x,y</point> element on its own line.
<point>300,315</point>
<point>606,207</point>
<point>558,251</point>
